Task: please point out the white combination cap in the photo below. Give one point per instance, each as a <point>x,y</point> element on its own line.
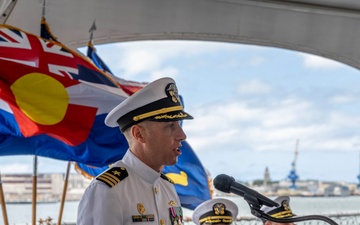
<point>157,101</point>
<point>217,210</point>
<point>282,211</point>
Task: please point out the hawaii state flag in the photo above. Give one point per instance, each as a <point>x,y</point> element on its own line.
<point>53,102</point>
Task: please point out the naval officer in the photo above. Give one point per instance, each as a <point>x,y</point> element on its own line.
<point>133,190</point>
<point>282,211</point>
<point>217,211</point>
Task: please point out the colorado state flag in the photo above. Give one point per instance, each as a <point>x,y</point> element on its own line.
<point>53,102</point>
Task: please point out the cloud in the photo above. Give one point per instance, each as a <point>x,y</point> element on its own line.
<point>274,124</point>
<point>253,87</point>
<point>16,168</point>
<point>165,72</point>
<point>317,62</point>
<point>148,56</point>
<point>256,61</point>
<point>343,98</point>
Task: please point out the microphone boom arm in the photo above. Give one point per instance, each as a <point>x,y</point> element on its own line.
<point>255,200</point>
<point>298,219</point>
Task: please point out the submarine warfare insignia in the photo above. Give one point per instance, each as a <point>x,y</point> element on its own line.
<point>113,176</point>
<point>141,209</point>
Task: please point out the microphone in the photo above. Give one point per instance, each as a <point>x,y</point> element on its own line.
<point>228,184</point>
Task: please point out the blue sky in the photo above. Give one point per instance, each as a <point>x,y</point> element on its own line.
<point>250,105</point>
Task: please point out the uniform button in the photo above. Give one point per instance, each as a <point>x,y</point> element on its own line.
<point>156,190</point>
<point>162,222</point>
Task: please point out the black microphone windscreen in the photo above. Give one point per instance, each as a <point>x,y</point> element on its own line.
<point>223,182</point>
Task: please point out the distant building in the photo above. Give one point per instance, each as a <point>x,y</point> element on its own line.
<point>19,187</point>
<point>266,179</point>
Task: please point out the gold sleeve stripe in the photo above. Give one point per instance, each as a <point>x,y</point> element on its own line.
<point>111,177</point>
<point>106,180</point>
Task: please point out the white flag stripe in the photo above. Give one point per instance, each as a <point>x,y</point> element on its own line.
<point>54,48</point>
<point>20,41</point>
<point>5,106</point>
<point>28,63</point>
<point>97,97</point>
<point>57,69</point>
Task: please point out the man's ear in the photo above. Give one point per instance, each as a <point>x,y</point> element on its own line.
<point>137,132</point>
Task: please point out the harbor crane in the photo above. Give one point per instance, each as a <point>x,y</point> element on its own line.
<point>292,175</point>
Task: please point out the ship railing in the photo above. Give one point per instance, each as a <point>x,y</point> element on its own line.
<point>341,218</point>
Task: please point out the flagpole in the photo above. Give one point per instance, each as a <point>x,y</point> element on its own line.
<point>2,201</point>
<point>64,193</point>
<point>34,191</point>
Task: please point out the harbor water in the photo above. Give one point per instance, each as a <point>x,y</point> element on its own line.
<point>22,213</point>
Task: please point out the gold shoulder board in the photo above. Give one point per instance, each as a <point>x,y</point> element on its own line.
<point>113,176</point>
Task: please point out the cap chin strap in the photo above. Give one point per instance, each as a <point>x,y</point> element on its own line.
<point>216,219</point>
<point>283,214</point>
<point>157,112</point>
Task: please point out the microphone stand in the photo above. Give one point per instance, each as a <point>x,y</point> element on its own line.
<point>255,206</point>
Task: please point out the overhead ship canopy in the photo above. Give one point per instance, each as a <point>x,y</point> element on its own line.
<point>328,28</point>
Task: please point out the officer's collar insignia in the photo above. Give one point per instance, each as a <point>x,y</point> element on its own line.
<point>141,209</point>
<point>113,176</point>
<point>219,209</point>
<point>163,176</point>
<point>172,203</point>
<point>172,92</point>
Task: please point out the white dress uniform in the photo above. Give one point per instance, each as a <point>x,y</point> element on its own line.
<point>130,192</point>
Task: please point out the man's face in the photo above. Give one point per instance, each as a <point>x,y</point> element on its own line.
<point>163,140</point>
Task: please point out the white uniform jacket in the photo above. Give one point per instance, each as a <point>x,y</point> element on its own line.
<point>130,192</point>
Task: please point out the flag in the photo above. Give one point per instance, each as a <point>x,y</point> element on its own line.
<point>53,102</point>
<point>45,31</point>
<point>91,53</point>
<point>130,87</point>
<point>190,178</point>
<point>89,171</point>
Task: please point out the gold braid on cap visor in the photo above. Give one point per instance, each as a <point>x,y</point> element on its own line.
<point>216,219</point>
<point>158,112</point>
<point>283,214</point>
